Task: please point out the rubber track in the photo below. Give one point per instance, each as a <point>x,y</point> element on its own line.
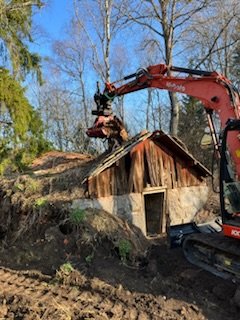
<point>218,243</point>
<point>86,303</point>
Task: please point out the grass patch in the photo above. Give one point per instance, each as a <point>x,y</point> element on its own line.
<point>19,187</point>
<point>77,216</point>
<point>125,248</point>
<point>27,185</point>
<point>33,186</point>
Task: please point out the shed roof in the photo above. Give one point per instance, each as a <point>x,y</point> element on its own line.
<point>160,138</point>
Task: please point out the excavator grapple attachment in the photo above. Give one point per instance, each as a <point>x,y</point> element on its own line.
<point>108,127</point>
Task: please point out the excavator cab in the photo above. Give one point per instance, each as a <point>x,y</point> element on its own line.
<point>230,183</point>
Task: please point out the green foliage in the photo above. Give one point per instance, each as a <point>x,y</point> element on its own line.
<point>192,124</point>
<point>40,203</point>
<point>5,163</point>
<point>77,216</point>
<point>125,248</point>
<point>66,268</point>
<point>89,258</point>
<point>33,186</point>
<point>16,106</point>
<point>28,186</point>
<point>21,134</point>
<point>19,187</point>
<point>15,34</point>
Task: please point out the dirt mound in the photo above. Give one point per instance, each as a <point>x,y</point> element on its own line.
<point>77,236</point>
<point>53,159</point>
<point>97,265</point>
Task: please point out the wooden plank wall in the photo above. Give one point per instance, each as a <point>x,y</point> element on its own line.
<point>147,165</point>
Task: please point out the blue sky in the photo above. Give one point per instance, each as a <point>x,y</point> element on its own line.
<point>51,19</point>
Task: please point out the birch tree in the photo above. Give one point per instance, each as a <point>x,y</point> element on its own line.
<point>96,19</point>
<point>212,38</point>
<point>165,21</point>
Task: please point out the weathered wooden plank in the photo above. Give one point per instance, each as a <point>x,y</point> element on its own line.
<point>92,190</point>
<point>131,174</point>
<point>148,161</point>
<point>116,155</point>
<point>138,172</point>
<point>173,175</point>
<point>154,162</point>
<point>179,184</point>
<point>161,170</point>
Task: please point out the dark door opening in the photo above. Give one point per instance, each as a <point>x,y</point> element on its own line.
<point>154,210</point>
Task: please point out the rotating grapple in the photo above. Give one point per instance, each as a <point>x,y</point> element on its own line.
<point>107,125</point>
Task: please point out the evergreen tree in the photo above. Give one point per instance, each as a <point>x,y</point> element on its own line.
<point>21,134</point>
<point>15,34</point>
<point>21,129</point>
<point>192,126</point>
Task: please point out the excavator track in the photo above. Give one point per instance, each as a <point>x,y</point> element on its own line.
<point>215,253</point>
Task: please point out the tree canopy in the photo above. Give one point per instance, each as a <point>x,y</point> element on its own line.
<point>21,128</point>
<point>16,34</point>
<point>21,135</point>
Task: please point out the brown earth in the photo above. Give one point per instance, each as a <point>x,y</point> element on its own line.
<point>52,268</point>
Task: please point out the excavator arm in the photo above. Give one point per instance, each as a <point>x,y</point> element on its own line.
<point>213,252</point>
<point>211,88</point>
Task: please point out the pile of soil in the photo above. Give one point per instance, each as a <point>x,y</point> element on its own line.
<point>59,264</point>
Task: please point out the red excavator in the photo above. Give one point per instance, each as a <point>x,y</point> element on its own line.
<point>217,252</point>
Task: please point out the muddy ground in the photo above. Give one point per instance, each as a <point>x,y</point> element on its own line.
<point>106,288</point>
<point>53,269</point>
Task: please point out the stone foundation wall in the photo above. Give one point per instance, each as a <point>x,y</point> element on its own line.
<point>128,206</point>
<point>182,205</point>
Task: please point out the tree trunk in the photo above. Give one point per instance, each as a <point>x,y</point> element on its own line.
<point>174,114</point>
<point>168,29</point>
<point>107,38</point>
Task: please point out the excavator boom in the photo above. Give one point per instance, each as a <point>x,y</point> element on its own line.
<point>218,95</point>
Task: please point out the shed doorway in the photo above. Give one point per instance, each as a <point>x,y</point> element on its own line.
<point>154,213</point>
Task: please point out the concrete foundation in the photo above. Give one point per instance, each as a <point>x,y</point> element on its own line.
<point>182,205</point>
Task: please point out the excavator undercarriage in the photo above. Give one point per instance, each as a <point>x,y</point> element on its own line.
<point>215,253</point>
<point>205,246</point>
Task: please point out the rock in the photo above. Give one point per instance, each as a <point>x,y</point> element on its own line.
<point>183,311</point>
<point>143,316</point>
<point>53,234</point>
<point>132,314</point>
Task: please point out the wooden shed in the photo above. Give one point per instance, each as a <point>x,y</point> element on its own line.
<point>152,181</point>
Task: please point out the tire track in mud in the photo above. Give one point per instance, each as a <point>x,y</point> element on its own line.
<point>45,298</point>
<point>33,296</point>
